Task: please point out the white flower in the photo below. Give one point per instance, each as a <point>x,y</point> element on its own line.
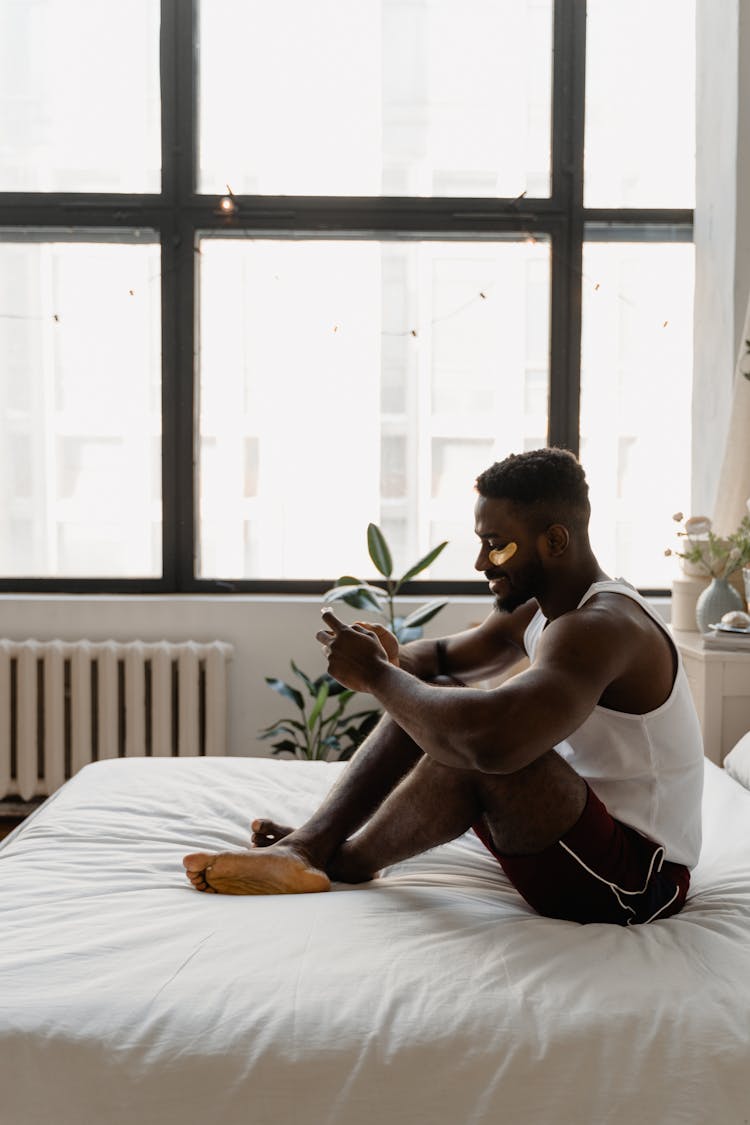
<point>697,525</point>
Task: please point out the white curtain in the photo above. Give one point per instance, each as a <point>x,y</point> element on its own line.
<point>734,480</point>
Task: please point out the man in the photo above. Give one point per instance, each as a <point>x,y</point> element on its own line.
<point>582,775</point>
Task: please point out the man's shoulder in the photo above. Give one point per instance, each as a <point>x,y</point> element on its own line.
<point>616,631</point>
<point>604,619</point>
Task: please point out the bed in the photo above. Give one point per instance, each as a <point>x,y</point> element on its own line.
<point>431,995</point>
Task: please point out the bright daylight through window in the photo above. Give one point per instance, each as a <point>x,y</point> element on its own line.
<point>453,229</point>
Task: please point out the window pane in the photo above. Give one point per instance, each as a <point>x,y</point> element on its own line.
<point>302,345</point>
<point>356,97</point>
<point>636,402</point>
<point>80,430</point>
<point>79,96</point>
<point>640,103</point>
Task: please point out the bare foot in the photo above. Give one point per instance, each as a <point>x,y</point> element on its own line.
<point>282,872</point>
<point>267,832</point>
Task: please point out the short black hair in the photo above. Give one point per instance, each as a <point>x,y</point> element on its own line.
<point>549,484</point>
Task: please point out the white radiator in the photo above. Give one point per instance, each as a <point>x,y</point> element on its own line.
<point>64,704</point>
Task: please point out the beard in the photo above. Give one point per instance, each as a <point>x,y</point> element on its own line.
<point>512,601</point>
<point>522,587</point>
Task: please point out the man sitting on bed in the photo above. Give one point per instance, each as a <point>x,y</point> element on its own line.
<point>582,775</point>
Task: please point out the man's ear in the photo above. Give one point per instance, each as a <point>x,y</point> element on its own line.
<point>556,539</point>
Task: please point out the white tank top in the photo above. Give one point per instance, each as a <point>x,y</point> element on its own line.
<point>647,769</point>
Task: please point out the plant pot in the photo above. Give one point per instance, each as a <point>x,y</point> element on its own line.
<point>717,599</point>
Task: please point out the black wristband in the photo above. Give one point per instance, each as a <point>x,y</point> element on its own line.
<point>441,659</point>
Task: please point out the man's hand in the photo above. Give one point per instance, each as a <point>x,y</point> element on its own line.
<point>387,640</point>
<point>355,654</point>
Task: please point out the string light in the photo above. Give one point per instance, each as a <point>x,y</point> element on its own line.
<point>228,208</point>
<point>227,204</point>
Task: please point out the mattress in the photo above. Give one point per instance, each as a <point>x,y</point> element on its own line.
<point>433,994</point>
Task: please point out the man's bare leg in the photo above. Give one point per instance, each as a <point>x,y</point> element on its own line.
<point>525,811</point>
<point>384,758</point>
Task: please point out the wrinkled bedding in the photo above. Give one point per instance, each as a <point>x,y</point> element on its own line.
<point>431,995</point>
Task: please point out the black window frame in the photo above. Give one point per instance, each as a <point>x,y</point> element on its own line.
<point>179,214</point>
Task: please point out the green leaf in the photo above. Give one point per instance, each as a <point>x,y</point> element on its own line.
<point>368,725</point>
<point>346,755</point>
<point>360,597</point>
<point>303,676</point>
<point>359,733</point>
<point>287,691</point>
<point>318,706</point>
<point>422,615</point>
<point>379,551</point>
<point>287,747</point>
<point>283,726</point>
<point>423,563</point>
<point>344,694</point>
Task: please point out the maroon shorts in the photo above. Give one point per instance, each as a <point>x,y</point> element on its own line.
<point>599,871</point>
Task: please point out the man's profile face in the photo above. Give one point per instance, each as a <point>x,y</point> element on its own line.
<point>520,577</point>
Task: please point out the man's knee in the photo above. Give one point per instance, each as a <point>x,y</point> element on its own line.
<point>531,808</point>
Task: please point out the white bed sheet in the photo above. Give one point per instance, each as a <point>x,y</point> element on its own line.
<point>432,995</point>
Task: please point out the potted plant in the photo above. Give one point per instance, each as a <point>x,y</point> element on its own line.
<point>322,729</point>
<point>717,558</point>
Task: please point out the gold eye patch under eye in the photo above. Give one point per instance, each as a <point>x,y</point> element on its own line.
<point>497,558</point>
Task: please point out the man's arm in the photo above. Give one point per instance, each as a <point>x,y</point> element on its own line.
<point>486,650</point>
<point>497,731</point>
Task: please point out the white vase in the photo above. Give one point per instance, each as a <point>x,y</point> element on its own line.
<point>686,589</point>
<point>717,599</point>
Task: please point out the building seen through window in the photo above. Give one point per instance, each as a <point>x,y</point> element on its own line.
<point>409,282</point>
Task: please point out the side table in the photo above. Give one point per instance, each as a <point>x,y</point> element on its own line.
<point>720,683</point>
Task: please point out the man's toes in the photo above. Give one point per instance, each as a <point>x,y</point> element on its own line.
<point>265,828</point>
<point>196,865</point>
<point>199,882</point>
<point>197,861</point>
<point>267,832</point>
<point>264,833</point>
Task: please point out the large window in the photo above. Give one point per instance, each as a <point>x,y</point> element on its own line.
<point>269,272</point>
